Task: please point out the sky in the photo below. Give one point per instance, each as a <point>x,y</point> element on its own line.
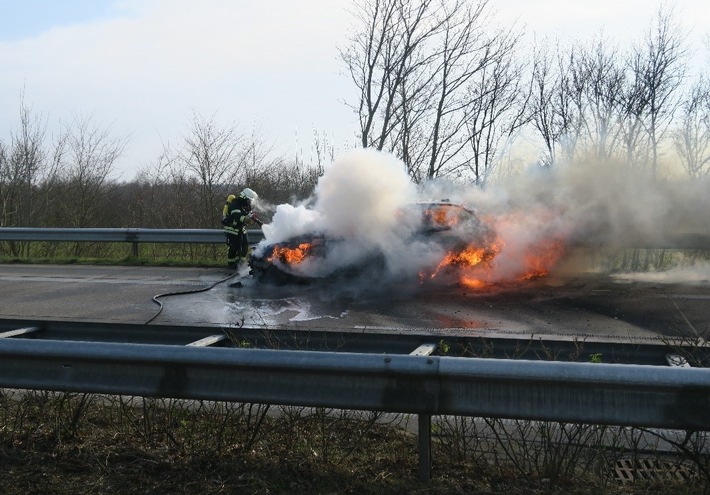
<point>143,68</point>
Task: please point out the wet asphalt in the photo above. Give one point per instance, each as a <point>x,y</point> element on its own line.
<point>579,306</point>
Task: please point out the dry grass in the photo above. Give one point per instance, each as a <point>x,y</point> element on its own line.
<point>79,444</point>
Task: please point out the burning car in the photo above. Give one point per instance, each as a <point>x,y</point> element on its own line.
<point>428,241</point>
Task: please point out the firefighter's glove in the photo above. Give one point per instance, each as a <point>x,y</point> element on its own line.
<point>256,220</point>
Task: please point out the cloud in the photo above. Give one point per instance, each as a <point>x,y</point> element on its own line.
<point>146,69</point>
<point>144,66</point>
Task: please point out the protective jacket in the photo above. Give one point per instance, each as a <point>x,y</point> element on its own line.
<point>238,211</point>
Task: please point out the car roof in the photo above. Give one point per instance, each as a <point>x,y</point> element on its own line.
<point>442,202</point>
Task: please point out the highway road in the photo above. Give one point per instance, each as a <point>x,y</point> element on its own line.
<point>584,306</point>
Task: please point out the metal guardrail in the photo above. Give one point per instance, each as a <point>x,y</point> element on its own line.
<point>644,350</point>
<point>610,394</point>
<point>133,236</point>
<point>216,236</point>
<point>408,380</point>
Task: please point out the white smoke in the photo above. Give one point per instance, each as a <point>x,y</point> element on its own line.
<point>360,194</point>
<point>593,205</point>
<point>360,197</point>
<point>357,199</point>
<point>695,274</point>
<point>603,204</point>
<point>290,221</point>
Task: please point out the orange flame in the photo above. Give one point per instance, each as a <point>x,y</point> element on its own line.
<point>440,217</point>
<point>541,258</point>
<point>472,283</point>
<point>291,256</point>
<point>469,257</point>
<point>472,256</point>
<point>476,268</point>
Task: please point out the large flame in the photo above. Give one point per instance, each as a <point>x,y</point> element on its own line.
<point>540,258</point>
<point>469,257</point>
<point>501,249</point>
<point>472,282</point>
<point>482,264</point>
<point>472,256</point>
<point>290,256</point>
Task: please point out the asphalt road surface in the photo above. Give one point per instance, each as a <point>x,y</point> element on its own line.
<point>588,305</point>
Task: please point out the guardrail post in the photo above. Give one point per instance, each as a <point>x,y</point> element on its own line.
<point>132,237</point>
<point>424,447</point>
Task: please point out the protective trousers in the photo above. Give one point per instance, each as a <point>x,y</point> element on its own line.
<point>238,247</point>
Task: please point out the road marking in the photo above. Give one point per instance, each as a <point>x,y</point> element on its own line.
<point>686,296</point>
<point>64,280</point>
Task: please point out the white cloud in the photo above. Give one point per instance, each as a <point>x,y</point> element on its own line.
<point>147,70</point>
<point>143,66</point>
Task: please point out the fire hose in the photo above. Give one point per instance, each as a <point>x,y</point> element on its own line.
<point>256,220</point>
<point>183,292</point>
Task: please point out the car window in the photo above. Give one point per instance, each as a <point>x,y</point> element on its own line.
<point>444,216</point>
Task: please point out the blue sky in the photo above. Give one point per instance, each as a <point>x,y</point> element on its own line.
<point>27,18</point>
<point>142,67</point>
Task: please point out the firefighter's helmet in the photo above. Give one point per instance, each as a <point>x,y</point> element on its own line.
<point>249,194</point>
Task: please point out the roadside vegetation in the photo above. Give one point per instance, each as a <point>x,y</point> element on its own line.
<point>113,253</point>
<point>56,443</point>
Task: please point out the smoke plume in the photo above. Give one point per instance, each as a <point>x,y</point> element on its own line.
<point>536,216</point>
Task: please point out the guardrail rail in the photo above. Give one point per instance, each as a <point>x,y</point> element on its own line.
<point>136,236</point>
<point>132,236</point>
<point>351,370</point>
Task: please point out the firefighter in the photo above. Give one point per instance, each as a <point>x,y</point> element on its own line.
<point>238,212</point>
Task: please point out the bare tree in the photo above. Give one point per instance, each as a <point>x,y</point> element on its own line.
<point>190,180</point>
<point>544,86</point>
<point>599,104</point>
<point>324,151</point>
<point>498,106</point>
<point>213,157</point>
<point>86,156</point>
<point>660,68</point>
<point>258,159</point>
<point>692,139</point>
<point>472,65</point>
<point>604,78</point>
<point>170,192</point>
<point>22,165</point>
<point>557,104</point>
<point>632,106</point>
<point>381,56</point>
<point>418,66</point>
<point>571,103</point>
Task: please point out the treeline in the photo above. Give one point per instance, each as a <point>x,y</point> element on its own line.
<point>447,89</point>
<point>67,181</point>
<point>439,85</point>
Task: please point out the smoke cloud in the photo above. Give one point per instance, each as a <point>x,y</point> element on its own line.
<point>360,194</point>
<point>603,204</point>
<point>357,200</point>
<point>536,216</point>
